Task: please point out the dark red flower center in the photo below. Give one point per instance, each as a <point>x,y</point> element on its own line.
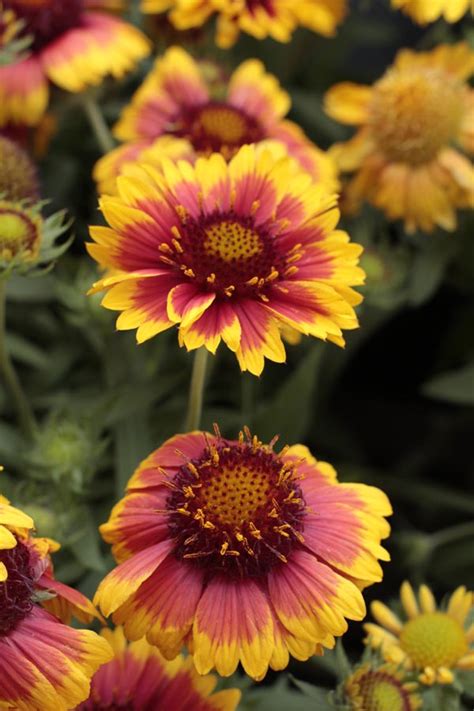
<point>16,592</point>
<point>218,127</point>
<point>255,6</point>
<point>238,508</point>
<point>46,19</point>
<point>229,254</point>
<point>127,706</point>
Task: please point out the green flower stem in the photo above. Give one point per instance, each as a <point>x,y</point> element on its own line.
<point>196,390</point>
<point>8,372</point>
<point>452,534</point>
<point>96,119</point>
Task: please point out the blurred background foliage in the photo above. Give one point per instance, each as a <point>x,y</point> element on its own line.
<point>394,409</point>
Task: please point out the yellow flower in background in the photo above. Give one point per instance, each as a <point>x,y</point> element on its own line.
<point>260,18</point>
<point>175,113</point>
<point>227,251</point>
<point>404,155</point>
<point>432,641</point>
<point>380,688</point>
<point>424,11</point>
<point>73,46</point>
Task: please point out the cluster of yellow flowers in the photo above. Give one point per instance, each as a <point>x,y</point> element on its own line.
<point>222,222</point>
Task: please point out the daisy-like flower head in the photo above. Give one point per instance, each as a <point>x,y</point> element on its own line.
<point>73,46</point>
<point>227,251</point>
<point>424,11</point>
<point>402,155</point>
<point>432,641</point>
<point>380,688</point>
<point>44,664</point>
<point>260,18</point>
<point>177,101</point>
<point>27,240</point>
<point>241,553</point>
<point>18,176</point>
<point>139,678</point>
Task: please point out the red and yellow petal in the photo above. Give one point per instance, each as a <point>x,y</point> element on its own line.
<point>257,93</point>
<point>260,337</point>
<point>174,83</point>
<point>47,666</point>
<point>143,305</point>
<point>319,164</point>
<point>85,55</point>
<point>24,93</point>
<point>311,600</point>
<point>133,524</point>
<point>67,602</point>
<point>164,606</point>
<point>233,624</point>
<point>124,580</point>
<point>341,533</point>
<point>165,460</point>
<point>218,322</point>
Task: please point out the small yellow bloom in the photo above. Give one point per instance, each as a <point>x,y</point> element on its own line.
<point>431,641</point>
<point>424,11</point>
<point>403,155</point>
<point>382,688</point>
<point>20,233</point>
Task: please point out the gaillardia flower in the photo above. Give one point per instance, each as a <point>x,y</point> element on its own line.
<point>73,46</point>
<point>432,641</point>
<point>403,155</point>
<point>177,101</point>
<point>139,678</point>
<point>379,688</point>
<point>227,251</point>
<point>243,554</point>
<point>44,664</point>
<point>424,11</point>
<point>260,18</point>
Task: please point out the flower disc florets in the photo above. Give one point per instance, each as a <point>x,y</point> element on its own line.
<point>46,19</point>
<point>219,127</point>
<point>17,590</point>
<point>228,253</point>
<point>239,508</point>
<point>414,112</point>
<point>18,179</point>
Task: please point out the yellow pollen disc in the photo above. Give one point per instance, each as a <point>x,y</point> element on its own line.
<point>377,690</point>
<point>223,123</point>
<point>236,495</point>
<point>433,640</point>
<point>231,241</point>
<point>414,113</point>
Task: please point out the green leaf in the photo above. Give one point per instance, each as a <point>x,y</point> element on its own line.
<point>455,386</point>
<point>279,697</point>
<point>315,693</point>
<point>133,442</point>
<point>429,266</point>
<point>291,410</point>
<point>25,352</point>
<point>86,549</point>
